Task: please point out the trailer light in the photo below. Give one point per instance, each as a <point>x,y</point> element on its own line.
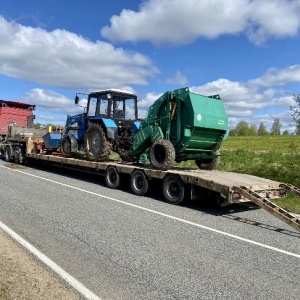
<point>282,192</point>
<point>106,116</point>
<point>236,196</point>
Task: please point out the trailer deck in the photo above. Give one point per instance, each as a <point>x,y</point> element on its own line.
<point>229,186</point>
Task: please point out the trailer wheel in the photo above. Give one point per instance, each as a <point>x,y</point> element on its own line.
<point>173,189</point>
<point>19,155</point>
<point>112,177</point>
<point>96,145</point>
<point>7,154</point>
<point>162,155</point>
<point>139,183</point>
<point>65,147</point>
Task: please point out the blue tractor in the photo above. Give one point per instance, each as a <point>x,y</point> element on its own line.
<point>108,124</point>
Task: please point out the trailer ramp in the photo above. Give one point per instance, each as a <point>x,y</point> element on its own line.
<point>271,207</point>
<point>291,188</point>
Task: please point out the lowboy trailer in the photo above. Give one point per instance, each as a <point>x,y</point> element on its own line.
<point>178,183</point>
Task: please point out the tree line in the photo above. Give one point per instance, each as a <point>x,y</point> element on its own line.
<point>245,129</point>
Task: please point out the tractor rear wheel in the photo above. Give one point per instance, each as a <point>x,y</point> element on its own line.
<point>162,155</point>
<point>97,148</point>
<point>65,147</point>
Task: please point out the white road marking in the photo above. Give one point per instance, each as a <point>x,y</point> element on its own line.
<point>79,287</point>
<point>165,215</point>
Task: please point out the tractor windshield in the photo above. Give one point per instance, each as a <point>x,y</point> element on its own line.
<point>112,104</point>
<point>123,108</point>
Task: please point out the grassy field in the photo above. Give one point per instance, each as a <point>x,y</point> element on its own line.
<point>273,157</point>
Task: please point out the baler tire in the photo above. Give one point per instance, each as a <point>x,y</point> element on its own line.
<point>65,147</point>
<point>173,189</point>
<point>112,177</point>
<point>95,134</point>
<point>139,183</point>
<point>208,164</point>
<point>162,155</point>
<point>7,154</point>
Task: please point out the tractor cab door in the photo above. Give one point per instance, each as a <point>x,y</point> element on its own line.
<point>98,107</point>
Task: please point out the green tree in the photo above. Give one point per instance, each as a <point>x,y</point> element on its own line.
<point>285,133</point>
<point>253,129</point>
<point>275,130</point>
<point>296,113</point>
<point>232,132</point>
<point>242,128</point>
<point>262,130</point>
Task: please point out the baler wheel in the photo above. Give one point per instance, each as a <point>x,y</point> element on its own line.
<point>112,177</point>
<point>173,189</point>
<point>97,147</point>
<point>208,164</point>
<point>65,147</point>
<point>162,155</point>
<point>139,183</point>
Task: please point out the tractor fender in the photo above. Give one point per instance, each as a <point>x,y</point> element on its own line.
<point>110,127</point>
<point>74,143</point>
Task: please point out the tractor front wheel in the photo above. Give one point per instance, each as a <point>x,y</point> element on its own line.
<point>97,148</point>
<point>65,147</point>
<point>162,155</point>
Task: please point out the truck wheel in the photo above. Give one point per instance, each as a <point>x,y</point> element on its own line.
<point>7,154</point>
<point>208,164</point>
<point>112,177</point>
<point>19,155</point>
<point>139,183</point>
<point>162,155</point>
<point>173,189</point>
<point>65,147</point>
<point>97,147</point>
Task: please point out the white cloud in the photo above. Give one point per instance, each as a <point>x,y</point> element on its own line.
<point>182,22</point>
<point>178,78</point>
<point>62,58</point>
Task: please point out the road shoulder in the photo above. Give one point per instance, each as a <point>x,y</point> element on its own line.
<point>23,277</point>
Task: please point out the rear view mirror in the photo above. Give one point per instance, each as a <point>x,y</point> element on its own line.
<point>76,100</point>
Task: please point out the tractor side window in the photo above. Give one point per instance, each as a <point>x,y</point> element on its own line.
<point>103,106</point>
<point>130,109</point>
<point>118,109</point>
<point>92,107</point>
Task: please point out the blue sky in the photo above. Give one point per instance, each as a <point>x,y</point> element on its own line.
<point>245,50</point>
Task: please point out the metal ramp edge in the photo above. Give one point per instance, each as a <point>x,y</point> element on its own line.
<point>291,188</point>
<point>271,207</point>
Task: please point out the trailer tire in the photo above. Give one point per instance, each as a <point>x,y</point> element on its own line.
<point>139,183</point>
<point>173,189</point>
<point>65,147</point>
<point>7,154</point>
<point>112,177</point>
<point>19,155</point>
<point>97,147</point>
<point>162,155</point>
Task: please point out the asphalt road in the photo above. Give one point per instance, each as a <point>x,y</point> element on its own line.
<point>122,246</point>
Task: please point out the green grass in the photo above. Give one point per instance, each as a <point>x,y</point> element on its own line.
<point>272,157</point>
